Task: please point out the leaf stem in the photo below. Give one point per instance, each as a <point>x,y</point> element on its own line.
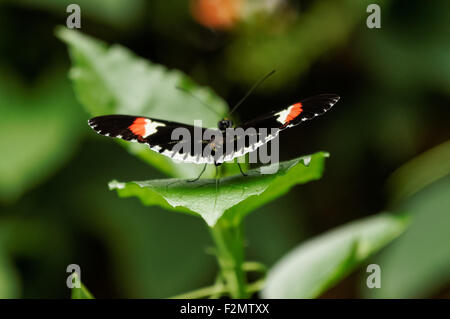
<point>254,266</point>
<point>230,254</point>
<point>215,290</point>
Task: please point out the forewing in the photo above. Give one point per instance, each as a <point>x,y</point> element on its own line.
<point>265,128</point>
<point>186,144</point>
<point>294,114</point>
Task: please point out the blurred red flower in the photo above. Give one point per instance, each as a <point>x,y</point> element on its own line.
<point>216,14</point>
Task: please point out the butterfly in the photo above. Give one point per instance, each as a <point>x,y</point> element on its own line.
<point>158,133</point>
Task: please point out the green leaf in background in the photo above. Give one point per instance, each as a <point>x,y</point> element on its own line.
<point>236,195</point>
<point>9,280</point>
<point>112,80</point>
<point>81,293</point>
<point>417,265</point>
<point>314,266</point>
<point>419,172</point>
<point>43,126</point>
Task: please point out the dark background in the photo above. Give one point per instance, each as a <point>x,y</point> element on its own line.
<point>55,208</point>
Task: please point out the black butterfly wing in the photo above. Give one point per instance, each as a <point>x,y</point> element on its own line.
<point>158,134</point>
<point>294,114</point>
<point>265,128</point>
<point>213,147</point>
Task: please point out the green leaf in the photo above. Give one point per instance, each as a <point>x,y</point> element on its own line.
<point>417,265</point>
<point>82,292</point>
<point>110,80</point>
<point>316,265</point>
<point>235,195</point>
<point>9,279</point>
<point>419,172</point>
<point>42,125</point>
<point>10,285</point>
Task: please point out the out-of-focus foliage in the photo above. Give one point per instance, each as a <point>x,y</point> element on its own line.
<point>291,41</point>
<point>420,172</point>
<point>116,13</point>
<point>413,54</point>
<point>236,195</point>
<point>9,282</point>
<point>32,240</point>
<point>81,293</point>
<point>417,264</point>
<point>316,265</point>
<point>40,129</point>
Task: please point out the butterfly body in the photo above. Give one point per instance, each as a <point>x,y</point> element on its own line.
<point>210,146</point>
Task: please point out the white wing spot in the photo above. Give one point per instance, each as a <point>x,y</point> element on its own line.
<point>282,115</point>
<point>150,127</point>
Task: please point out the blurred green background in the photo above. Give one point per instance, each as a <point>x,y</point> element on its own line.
<point>388,139</point>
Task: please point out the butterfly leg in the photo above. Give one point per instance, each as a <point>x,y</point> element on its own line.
<point>240,168</point>
<point>217,180</point>
<point>198,177</point>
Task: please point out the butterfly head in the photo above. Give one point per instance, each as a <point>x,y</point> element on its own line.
<point>224,124</point>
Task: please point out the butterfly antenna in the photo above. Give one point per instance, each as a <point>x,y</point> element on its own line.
<point>251,90</point>
<point>199,100</point>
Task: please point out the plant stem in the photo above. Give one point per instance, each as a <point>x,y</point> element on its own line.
<point>202,292</point>
<point>229,243</point>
